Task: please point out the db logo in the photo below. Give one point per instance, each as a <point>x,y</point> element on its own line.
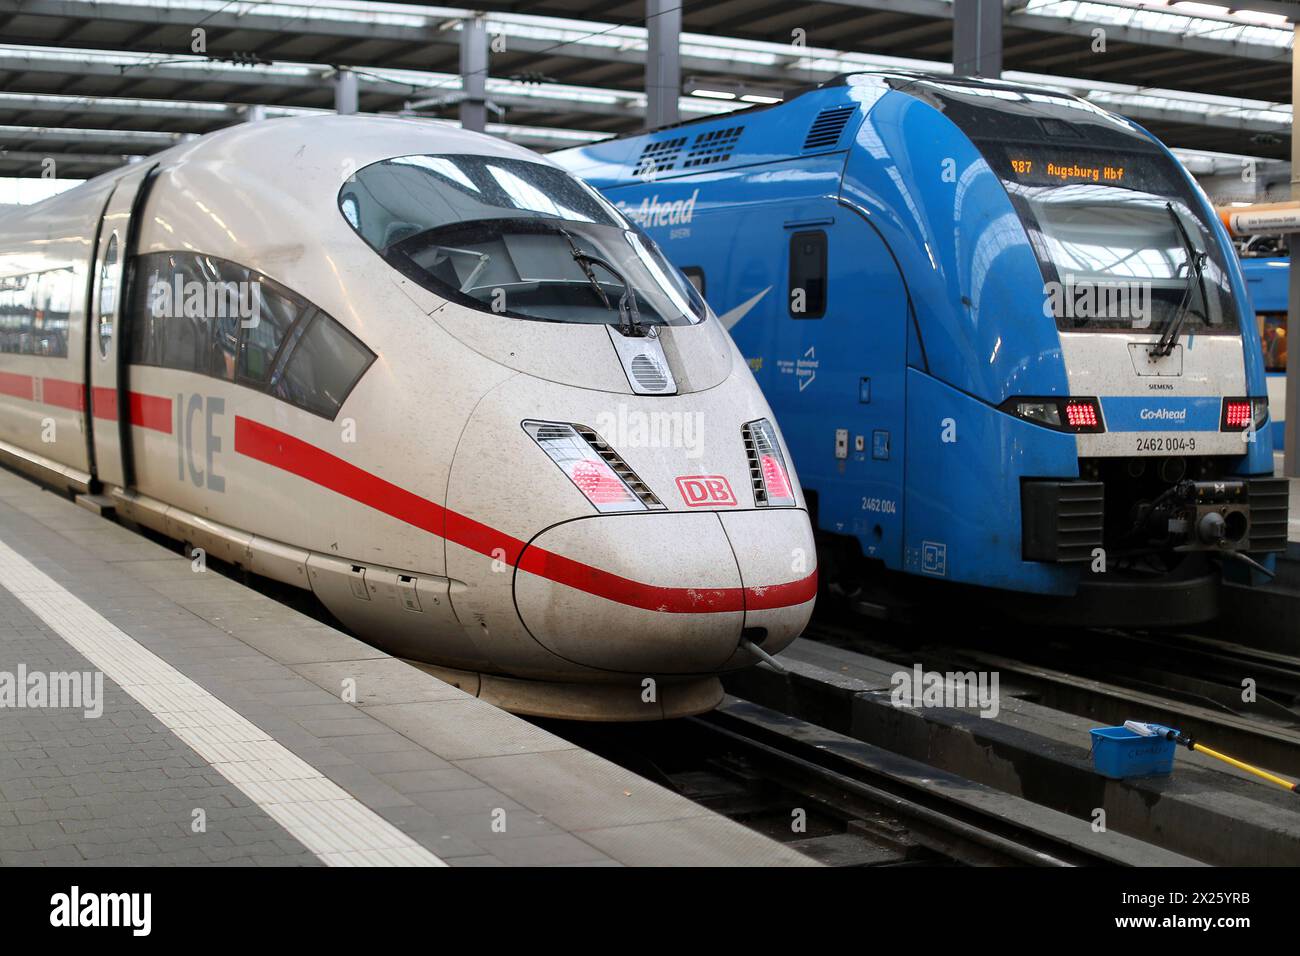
<point>702,491</point>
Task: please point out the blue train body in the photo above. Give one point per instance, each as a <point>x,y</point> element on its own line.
<point>1267,280</point>
<point>865,247</point>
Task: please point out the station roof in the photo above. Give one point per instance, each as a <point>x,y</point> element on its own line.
<point>94,82</point>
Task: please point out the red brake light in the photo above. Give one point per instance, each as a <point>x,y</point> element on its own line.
<point>1081,414</point>
<point>597,481</point>
<point>778,486</point>
<point>1236,414</point>
<point>772,484</point>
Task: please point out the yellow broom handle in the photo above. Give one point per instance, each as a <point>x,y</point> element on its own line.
<point>1246,767</point>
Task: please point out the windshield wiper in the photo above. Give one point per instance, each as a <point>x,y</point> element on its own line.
<point>629,316</point>
<point>583,260</point>
<point>1195,262</point>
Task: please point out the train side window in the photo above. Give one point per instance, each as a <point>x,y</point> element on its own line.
<point>144,346</point>
<point>52,313</point>
<point>34,313</point>
<point>325,363</point>
<point>168,315</point>
<point>196,313</point>
<point>807,295</point>
<point>696,276</point>
<point>15,313</point>
<point>1272,337</point>
<point>263,338</point>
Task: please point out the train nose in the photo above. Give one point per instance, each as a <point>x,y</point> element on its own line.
<point>665,593</point>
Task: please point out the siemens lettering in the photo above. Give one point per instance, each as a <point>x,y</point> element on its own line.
<point>652,212</point>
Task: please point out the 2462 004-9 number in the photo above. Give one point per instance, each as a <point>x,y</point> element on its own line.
<point>1167,443</point>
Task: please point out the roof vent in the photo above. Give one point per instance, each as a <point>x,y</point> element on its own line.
<point>659,156</point>
<point>827,127</point>
<point>712,147</point>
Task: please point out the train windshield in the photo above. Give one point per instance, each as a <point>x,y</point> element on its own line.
<point>515,238</point>
<point>1118,257</point>
<point>1121,237</point>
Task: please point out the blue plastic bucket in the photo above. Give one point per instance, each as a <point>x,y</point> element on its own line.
<point>1119,753</point>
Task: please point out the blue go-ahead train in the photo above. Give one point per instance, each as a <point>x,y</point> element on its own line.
<point>1003,330</point>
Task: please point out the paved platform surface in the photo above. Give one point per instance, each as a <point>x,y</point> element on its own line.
<point>222,736</point>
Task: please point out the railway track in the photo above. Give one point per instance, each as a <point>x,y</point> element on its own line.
<point>1185,680</point>
<point>943,812</point>
<point>847,802</point>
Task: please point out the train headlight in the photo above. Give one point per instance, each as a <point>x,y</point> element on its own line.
<point>1061,414</point>
<point>1045,413</point>
<point>771,479</point>
<point>585,467</point>
<point>1242,413</point>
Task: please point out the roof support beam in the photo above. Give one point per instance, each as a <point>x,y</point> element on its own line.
<point>474,74</point>
<point>977,38</point>
<point>663,65</point>
<point>345,92</point>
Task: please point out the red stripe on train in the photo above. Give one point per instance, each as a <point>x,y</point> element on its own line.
<point>19,386</point>
<point>151,411</point>
<point>280,450</point>
<point>64,394</point>
<point>147,411</point>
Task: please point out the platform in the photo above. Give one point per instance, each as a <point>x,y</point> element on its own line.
<point>222,735</point>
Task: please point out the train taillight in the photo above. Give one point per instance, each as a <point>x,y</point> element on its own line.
<point>1242,413</point>
<point>1081,415</point>
<point>771,478</point>
<point>1061,414</point>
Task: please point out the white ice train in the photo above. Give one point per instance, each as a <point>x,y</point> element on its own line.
<point>432,378</point>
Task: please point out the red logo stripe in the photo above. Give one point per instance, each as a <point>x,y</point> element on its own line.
<point>151,411</point>
<point>19,386</point>
<point>103,403</point>
<point>280,450</point>
<point>64,394</point>
<point>147,411</point>
<point>283,451</point>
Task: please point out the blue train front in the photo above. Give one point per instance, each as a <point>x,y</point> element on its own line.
<point>1004,332</point>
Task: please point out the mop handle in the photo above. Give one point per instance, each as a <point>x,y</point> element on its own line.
<point>1263,774</point>
<point>1159,730</point>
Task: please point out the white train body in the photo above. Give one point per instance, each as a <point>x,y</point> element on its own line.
<point>394,449</point>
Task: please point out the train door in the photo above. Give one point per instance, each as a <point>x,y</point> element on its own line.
<point>838,381</point>
<point>110,419</point>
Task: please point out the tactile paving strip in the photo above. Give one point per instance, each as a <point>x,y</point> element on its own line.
<point>325,818</point>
